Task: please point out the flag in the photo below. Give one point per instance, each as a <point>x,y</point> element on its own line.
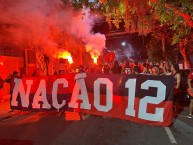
<point>40,61</point>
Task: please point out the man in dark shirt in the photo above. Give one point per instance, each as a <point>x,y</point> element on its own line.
<point>10,80</point>
<point>116,69</point>
<point>136,68</point>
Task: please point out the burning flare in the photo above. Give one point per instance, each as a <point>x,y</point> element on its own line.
<point>66,55</point>
<point>94,59</point>
<point>94,53</point>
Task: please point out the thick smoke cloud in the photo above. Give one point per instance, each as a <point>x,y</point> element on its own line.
<point>45,22</point>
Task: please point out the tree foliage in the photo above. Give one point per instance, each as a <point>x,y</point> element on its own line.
<point>173,19</point>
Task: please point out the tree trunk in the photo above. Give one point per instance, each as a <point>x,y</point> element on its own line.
<point>184,53</point>
<point>163,44</point>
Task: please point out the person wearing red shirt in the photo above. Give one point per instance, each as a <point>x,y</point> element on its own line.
<point>190,92</point>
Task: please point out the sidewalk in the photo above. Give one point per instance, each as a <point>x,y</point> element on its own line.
<point>4,107</point>
<point>5,110</point>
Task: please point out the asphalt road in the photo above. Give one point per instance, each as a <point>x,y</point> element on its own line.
<point>52,128</point>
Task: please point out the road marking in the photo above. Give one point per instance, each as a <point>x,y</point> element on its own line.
<point>185,129</point>
<point>186,116</point>
<point>170,135</point>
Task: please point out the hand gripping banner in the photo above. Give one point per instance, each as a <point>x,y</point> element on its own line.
<point>139,98</point>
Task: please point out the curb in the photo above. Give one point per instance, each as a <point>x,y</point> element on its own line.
<point>9,115</point>
<point>4,118</point>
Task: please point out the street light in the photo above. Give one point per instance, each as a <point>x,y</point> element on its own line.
<point>123,43</point>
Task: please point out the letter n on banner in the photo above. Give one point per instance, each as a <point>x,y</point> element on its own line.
<point>19,90</point>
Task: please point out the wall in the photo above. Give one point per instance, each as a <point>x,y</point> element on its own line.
<point>7,66</point>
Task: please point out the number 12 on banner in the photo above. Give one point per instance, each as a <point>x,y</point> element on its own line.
<point>161,94</point>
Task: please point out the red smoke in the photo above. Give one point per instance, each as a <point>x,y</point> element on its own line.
<point>49,24</point>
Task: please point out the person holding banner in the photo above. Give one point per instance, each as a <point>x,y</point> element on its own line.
<point>10,80</point>
<point>116,69</point>
<point>190,92</point>
<point>175,72</point>
<point>155,70</point>
<point>136,68</point>
<point>106,69</point>
<point>127,69</point>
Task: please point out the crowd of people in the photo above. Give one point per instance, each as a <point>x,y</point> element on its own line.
<point>145,68</point>
<point>149,68</point>
<point>135,67</point>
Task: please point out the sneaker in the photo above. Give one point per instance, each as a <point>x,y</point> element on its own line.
<point>189,116</point>
<point>87,116</point>
<point>12,110</point>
